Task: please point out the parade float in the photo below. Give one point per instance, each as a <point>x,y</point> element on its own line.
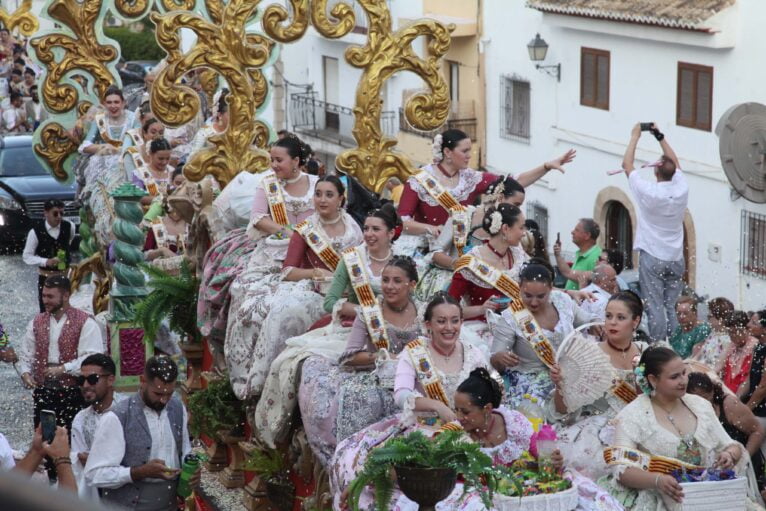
<point>232,45</point>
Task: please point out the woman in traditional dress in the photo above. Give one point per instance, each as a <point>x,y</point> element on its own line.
<point>154,176</point>
<point>168,234</point>
<point>220,121</point>
<point>736,418</point>
<point>423,397</point>
<point>585,432</point>
<point>710,351</point>
<point>513,351</point>
<point>285,197</point>
<point>366,264</point>
<point>739,355</point>
<point>666,421</point>
<point>135,147</point>
<point>276,297</point>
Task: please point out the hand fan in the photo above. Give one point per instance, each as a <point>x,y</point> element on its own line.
<point>586,371</point>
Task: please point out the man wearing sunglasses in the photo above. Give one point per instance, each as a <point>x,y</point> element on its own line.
<point>96,382</point>
<point>44,242</point>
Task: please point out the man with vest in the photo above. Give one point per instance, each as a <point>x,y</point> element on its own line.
<point>139,446</point>
<point>53,348</point>
<point>44,242</point>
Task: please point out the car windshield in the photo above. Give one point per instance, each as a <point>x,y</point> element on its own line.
<point>19,161</point>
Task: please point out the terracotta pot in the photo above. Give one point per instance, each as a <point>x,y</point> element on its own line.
<point>281,493</point>
<point>425,486</point>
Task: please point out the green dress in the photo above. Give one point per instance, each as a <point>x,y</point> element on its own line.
<point>683,342</point>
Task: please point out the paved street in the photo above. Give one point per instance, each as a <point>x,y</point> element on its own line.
<point>18,304</point>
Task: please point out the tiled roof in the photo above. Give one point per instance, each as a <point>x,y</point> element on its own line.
<point>685,14</point>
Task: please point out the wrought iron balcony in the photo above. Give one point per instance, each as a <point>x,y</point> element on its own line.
<point>466,125</point>
<point>328,121</point>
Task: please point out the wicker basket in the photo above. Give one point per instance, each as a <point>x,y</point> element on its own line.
<point>711,496</point>
<point>562,501</point>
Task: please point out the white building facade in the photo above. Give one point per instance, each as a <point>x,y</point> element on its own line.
<point>681,74</point>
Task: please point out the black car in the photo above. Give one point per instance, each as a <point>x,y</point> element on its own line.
<point>25,185</point>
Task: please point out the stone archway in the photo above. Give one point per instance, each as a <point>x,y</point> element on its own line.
<point>601,210</point>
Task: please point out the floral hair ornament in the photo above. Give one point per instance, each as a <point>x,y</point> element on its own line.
<point>497,222</point>
<point>436,148</point>
<point>643,384</point>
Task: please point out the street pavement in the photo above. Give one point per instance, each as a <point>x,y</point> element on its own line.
<point>18,305</point>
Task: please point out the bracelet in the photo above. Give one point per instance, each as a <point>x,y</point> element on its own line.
<point>657,482</point>
<point>62,459</point>
<point>658,135</point>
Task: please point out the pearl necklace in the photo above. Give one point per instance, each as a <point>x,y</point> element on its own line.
<point>292,180</point>
<point>382,260</point>
<point>331,222</point>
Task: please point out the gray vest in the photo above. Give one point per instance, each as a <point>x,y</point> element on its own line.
<point>138,444</point>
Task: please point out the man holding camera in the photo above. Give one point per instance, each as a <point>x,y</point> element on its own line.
<point>660,231</point>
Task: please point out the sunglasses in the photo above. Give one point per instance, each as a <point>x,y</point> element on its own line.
<point>91,379</point>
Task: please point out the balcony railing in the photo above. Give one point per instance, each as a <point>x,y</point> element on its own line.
<point>330,122</point>
<point>466,125</point>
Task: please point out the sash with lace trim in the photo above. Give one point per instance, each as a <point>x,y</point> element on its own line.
<point>360,283</point>
<point>135,137</point>
<point>152,186</point>
<point>527,322</point>
<point>623,391</point>
<point>461,220</point>
<point>103,130</point>
<point>275,198</point>
<point>424,369</point>
<point>135,155</point>
<point>641,460</point>
<point>162,237</point>
<point>318,243</point>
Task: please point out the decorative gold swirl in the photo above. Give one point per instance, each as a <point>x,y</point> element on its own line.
<point>275,15</point>
<point>54,147</point>
<point>343,13</point>
<point>178,5</point>
<point>223,46</point>
<point>22,18</point>
<point>386,53</point>
<point>83,108</point>
<point>131,8</point>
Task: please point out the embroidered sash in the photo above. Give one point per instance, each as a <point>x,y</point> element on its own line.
<point>160,233</point>
<point>360,283</point>
<point>103,130</point>
<point>275,198</point>
<point>152,186</point>
<point>135,155</point>
<point>458,213</point>
<point>318,243</point>
<point>424,369</point>
<point>135,137</point>
<point>624,391</point>
<point>641,460</point>
<point>527,322</point>
<point>451,426</point>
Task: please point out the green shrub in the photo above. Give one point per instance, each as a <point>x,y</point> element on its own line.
<point>136,45</point>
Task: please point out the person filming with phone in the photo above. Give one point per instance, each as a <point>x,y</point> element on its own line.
<point>660,231</point>
<point>51,352</point>
<point>139,446</point>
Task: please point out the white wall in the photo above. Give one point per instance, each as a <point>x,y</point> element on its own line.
<point>642,88</point>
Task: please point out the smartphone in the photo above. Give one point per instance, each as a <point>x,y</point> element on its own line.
<point>48,425</point>
<point>558,237</point>
<point>646,126</point>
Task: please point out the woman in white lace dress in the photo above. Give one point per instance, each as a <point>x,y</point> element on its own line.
<point>666,421</point>
<point>277,296</point>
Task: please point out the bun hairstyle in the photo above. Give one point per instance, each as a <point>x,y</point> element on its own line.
<point>451,138</point>
<point>496,217</point>
<point>654,359</point>
<point>536,270</point>
<point>702,383</point>
<point>504,187</point>
<point>159,144</point>
<point>295,148</point>
<point>148,124</point>
<point>387,213</point>
<point>631,301</point>
<point>113,90</point>
<point>406,264</point>
<point>337,183</point>
<point>437,299</point>
<point>482,388</point>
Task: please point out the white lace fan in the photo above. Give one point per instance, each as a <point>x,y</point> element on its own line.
<point>586,370</point>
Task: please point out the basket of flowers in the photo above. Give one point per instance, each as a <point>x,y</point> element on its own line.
<point>709,490</point>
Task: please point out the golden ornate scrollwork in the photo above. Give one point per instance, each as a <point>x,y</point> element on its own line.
<point>343,13</point>
<point>22,18</point>
<point>224,46</point>
<point>275,15</point>
<point>131,8</point>
<point>55,147</point>
<point>386,53</point>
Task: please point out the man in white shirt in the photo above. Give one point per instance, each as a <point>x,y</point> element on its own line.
<point>51,352</point>
<point>603,285</point>
<point>140,444</point>
<point>660,232</point>
<point>96,382</point>
<point>44,242</point>
<point>15,115</point>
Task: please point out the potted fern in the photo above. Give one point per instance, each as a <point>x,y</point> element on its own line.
<point>270,467</point>
<point>426,470</point>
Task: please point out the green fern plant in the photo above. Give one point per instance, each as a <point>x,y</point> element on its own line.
<point>449,449</point>
<point>171,297</point>
<point>214,408</point>
<point>268,463</point>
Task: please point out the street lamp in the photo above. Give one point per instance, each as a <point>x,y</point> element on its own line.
<point>538,49</point>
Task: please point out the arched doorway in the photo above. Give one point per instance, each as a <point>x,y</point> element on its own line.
<point>618,230</point>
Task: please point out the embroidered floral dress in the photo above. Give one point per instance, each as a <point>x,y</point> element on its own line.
<point>266,310</point>
<point>712,350</point>
<point>228,257</point>
<point>531,376</point>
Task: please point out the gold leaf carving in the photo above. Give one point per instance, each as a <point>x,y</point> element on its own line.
<point>275,15</point>
<point>22,18</point>
<point>343,13</point>
<point>55,146</point>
